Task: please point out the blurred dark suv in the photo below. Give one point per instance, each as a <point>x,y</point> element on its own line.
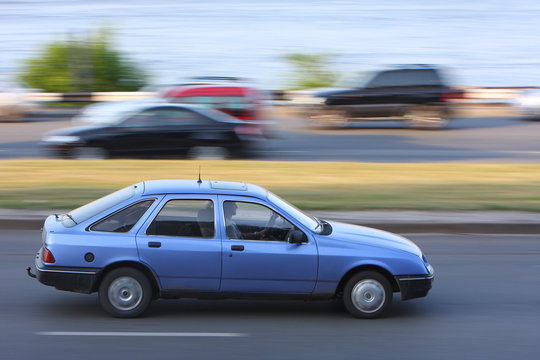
<point>417,94</point>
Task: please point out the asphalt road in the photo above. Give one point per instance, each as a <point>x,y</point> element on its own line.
<point>475,139</point>
<point>485,304</point>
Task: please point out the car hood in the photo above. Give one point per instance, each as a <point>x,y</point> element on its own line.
<point>372,237</point>
<point>75,130</point>
<point>332,92</point>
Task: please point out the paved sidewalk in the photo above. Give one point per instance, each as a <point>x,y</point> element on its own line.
<point>489,222</point>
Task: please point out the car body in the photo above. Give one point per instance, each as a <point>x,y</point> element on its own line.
<point>527,103</point>
<point>241,102</point>
<point>15,102</point>
<point>214,239</point>
<point>141,129</point>
<point>417,94</point>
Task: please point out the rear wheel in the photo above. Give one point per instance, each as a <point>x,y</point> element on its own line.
<point>367,295</point>
<point>427,117</point>
<point>125,293</point>
<point>89,153</point>
<point>208,153</point>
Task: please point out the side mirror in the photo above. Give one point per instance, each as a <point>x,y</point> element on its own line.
<point>297,237</point>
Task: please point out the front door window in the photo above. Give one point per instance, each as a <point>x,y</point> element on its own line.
<point>249,221</point>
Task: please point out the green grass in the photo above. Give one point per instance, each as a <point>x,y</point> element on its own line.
<point>61,184</point>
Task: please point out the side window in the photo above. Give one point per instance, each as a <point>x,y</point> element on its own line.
<point>384,79</point>
<point>425,77</point>
<point>192,218</point>
<point>141,119</point>
<point>249,221</point>
<point>176,116</point>
<point>123,220</point>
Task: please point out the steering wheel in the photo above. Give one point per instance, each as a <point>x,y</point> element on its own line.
<point>267,228</point>
<point>271,221</point>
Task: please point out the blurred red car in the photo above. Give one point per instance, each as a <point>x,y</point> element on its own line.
<point>242,102</point>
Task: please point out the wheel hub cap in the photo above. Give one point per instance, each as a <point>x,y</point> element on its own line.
<point>368,296</point>
<point>125,293</point>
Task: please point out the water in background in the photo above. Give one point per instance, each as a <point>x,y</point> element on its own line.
<point>484,43</point>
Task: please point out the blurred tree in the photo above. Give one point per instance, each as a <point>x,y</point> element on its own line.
<point>83,64</point>
<point>311,70</point>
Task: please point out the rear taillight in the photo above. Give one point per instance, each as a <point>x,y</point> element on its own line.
<point>452,96</point>
<point>47,256</point>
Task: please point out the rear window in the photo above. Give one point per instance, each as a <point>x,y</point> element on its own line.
<point>96,207</point>
<point>123,220</point>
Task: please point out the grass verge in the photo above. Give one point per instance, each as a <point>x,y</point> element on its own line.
<point>64,184</point>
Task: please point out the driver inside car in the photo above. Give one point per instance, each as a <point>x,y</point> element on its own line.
<point>233,232</point>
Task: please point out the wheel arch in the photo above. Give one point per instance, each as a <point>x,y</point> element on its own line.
<point>367,267</point>
<point>156,290</point>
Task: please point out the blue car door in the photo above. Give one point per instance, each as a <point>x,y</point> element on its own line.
<point>256,256</point>
<point>181,242</point>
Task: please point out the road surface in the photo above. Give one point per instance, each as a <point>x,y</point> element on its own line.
<point>474,139</point>
<point>485,304</point>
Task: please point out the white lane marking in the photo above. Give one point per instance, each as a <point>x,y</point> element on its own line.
<point>154,334</point>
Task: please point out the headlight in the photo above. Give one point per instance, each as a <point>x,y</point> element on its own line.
<point>62,139</point>
<point>429,268</point>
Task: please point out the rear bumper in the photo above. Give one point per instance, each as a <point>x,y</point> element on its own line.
<point>81,280</point>
<point>414,286</point>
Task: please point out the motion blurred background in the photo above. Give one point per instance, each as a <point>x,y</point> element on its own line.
<point>486,43</point>
<point>467,158</point>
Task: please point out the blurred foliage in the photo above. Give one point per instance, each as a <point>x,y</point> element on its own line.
<point>310,70</point>
<point>83,64</point>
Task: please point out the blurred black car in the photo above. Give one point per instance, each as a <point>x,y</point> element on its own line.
<point>135,129</point>
<point>417,94</point>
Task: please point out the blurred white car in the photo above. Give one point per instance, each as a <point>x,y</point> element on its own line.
<point>14,102</point>
<point>528,103</point>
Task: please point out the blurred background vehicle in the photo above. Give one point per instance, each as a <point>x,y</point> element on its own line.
<point>231,95</point>
<point>143,129</point>
<point>528,103</point>
<point>417,94</point>
<point>14,102</point>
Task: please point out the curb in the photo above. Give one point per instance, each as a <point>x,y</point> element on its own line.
<point>396,227</point>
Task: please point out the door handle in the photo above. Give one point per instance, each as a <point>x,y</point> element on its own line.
<point>154,244</point>
<point>237,247</point>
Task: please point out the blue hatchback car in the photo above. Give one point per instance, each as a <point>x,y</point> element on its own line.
<point>215,239</point>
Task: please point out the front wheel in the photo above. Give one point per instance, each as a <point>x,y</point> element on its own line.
<point>125,293</point>
<point>367,295</point>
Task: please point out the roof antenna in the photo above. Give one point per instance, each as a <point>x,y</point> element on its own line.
<point>199,181</point>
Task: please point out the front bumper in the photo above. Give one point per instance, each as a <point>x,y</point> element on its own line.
<point>414,286</point>
<point>81,280</point>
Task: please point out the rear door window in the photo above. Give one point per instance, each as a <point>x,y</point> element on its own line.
<point>192,218</point>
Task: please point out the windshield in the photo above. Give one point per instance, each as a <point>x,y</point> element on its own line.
<point>306,220</point>
<point>356,80</point>
<point>87,211</point>
<point>104,114</point>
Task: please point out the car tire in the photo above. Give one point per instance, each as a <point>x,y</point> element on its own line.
<point>328,118</point>
<point>208,153</point>
<point>125,293</point>
<point>427,117</point>
<point>367,295</point>
<point>89,153</point>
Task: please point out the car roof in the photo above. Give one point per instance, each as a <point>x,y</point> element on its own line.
<point>156,187</point>
<point>136,105</point>
<point>209,90</point>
